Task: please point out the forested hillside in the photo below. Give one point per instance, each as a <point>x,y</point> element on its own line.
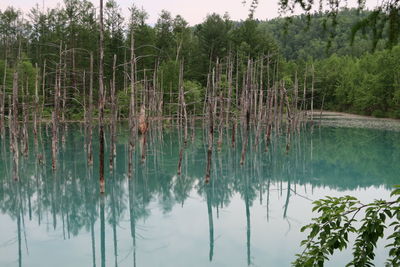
<point>347,78</point>
<point>316,38</point>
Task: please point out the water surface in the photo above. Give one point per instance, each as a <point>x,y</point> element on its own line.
<point>247,215</point>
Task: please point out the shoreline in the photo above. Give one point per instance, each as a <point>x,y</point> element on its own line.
<point>348,120</point>
<point>325,115</point>
<point>346,115</point>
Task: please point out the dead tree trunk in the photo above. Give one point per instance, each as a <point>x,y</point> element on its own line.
<point>289,119</point>
<point>260,113</point>
<point>132,131</point>
<point>143,130</point>
<point>10,121</point>
<point>25,135</point>
<point>304,103</point>
<point>184,115</point>
<point>43,93</point>
<point>54,142</point>
<point>246,111</point>
<point>15,127</point>
<point>295,102</point>
<point>36,106</point>
<point>229,100</point>
<point>312,94</point>
<point>2,100</point>
<point>64,97</point>
<point>113,148</point>
<point>221,106</point>
<point>101,103</point>
<point>15,106</point>
<point>84,107</point>
<point>210,139</point>
<point>90,115</point>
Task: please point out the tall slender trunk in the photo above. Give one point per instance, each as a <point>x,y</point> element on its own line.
<point>15,127</point>
<point>90,115</point>
<point>312,93</point>
<point>304,103</point>
<point>54,140</point>
<point>184,115</point>
<point>2,99</point>
<point>36,107</point>
<point>101,103</point>
<point>210,135</point>
<point>246,111</point>
<point>132,130</point>
<point>43,92</point>
<point>113,117</point>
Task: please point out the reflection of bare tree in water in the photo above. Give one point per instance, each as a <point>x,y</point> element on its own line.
<point>91,212</point>
<point>132,218</point>
<point>68,198</point>
<point>102,232</point>
<point>248,197</point>
<point>19,219</point>
<point>209,197</point>
<point>114,220</point>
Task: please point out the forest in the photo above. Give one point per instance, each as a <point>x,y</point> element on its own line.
<point>199,145</point>
<point>348,74</point>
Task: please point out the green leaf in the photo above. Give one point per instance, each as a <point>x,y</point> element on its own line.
<point>314,231</point>
<point>396,191</point>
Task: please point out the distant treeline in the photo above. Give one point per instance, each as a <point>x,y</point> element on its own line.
<point>347,78</point>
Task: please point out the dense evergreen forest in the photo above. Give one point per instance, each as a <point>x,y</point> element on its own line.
<point>46,44</point>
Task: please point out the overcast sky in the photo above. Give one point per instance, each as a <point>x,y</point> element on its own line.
<point>194,11</point>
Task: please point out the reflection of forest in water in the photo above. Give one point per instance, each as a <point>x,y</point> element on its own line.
<point>339,158</point>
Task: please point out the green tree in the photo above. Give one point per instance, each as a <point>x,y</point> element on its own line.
<point>164,35</point>
<point>339,218</point>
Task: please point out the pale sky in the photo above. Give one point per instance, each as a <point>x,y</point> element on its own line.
<point>193,11</point>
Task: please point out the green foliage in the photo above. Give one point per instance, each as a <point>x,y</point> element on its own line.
<point>193,96</point>
<point>303,38</point>
<point>339,218</point>
<point>213,36</point>
<point>170,80</point>
<point>123,103</point>
<point>366,85</point>
<point>76,115</point>
<point>252,40</point>
<point>383,22</point>
<point>164,28</point>
<point>347,77</point>
<point>47,113</point>
<point>26,75</point>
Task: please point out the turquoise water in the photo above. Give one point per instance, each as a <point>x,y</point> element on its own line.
<point>247,215</point>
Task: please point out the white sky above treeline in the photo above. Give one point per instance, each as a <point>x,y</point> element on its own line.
<point>193,11</point>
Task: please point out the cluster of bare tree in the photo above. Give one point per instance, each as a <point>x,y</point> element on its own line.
<point>237,97</point>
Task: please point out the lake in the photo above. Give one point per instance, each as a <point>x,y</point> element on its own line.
<point>248,214</point>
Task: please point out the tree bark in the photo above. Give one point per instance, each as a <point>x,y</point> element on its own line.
<point>101,102</point>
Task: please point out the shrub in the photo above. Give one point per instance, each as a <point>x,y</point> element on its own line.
<point>330,231</point>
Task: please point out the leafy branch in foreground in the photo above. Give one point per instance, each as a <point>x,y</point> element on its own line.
<point>338,218</point>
